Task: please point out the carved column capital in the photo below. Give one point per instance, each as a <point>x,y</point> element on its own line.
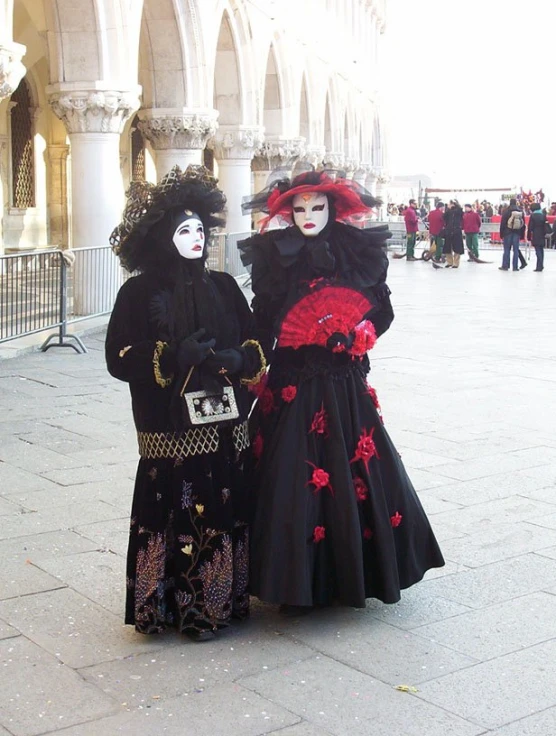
<point>236,142</point>
<point>12,70</point>
<point>333,160</point>
<point>278,152</point>
<point>92,110</point>
<point>181,128</point>
<point>314,155</point>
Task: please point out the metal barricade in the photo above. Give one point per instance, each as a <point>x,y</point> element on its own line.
<point>30,293</point>
<point>233,262</point>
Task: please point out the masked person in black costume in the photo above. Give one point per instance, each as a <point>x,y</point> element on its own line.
<point>180,335</point>
<point>336,518</point>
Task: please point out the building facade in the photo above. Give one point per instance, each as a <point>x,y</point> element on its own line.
<point>94,93</point>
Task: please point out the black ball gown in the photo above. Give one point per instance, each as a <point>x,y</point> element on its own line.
<point>187,564</point>
<point>336,518</point>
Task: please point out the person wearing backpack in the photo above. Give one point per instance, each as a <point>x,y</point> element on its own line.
<point>538,229</point>
<point>512,230</point>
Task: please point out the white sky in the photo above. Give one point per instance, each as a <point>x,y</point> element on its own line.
<point>469,91</point>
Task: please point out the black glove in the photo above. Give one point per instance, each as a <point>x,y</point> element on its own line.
<point>225,362</point>
<point>192,352</point>
<point>340,343</point>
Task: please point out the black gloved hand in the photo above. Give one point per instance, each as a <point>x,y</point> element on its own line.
<point>340,343</point>
<point>225,362</point>
<point>192,352</point>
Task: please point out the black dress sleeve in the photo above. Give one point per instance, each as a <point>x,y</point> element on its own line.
<point>132,355</point>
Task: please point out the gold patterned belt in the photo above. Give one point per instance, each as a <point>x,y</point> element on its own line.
<point>196,441</point>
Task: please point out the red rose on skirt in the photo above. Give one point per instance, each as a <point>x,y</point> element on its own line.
<point>365,338</point>
<point>319,425</point>
<point>396,520</point>
<point>289,393</point>
<point>319,534</point>
<point>360,489</point>
<point>320,479</point>
<point>366,448</point>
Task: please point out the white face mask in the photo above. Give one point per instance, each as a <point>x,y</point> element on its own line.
<point>311,212</point>
<point>189,238</point>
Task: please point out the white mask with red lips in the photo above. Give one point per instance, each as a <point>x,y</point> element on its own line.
<point>311,213</point>
<point>189,237</point>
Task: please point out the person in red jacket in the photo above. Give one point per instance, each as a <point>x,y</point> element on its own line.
<point>411,227</point>
<point>471,228</point>
<point>436,227</point>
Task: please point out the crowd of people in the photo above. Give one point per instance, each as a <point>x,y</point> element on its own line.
<point>452,229</point>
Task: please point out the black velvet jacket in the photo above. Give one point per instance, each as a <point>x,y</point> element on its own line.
<point>140,349</point>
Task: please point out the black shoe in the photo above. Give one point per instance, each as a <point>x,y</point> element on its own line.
<point>412,258</point>
<point>538,270</point>
<point>501,268</point>
<point>516,269</point>
<point>293,611</point>
<point>199,636</point>
<point>523,265</point>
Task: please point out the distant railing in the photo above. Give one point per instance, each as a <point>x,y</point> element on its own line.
<point>53,289</point>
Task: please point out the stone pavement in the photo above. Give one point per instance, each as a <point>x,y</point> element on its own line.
<point>467,380</point>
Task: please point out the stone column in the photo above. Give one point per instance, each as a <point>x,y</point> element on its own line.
<point>371,181</point>
<point>333,160</point>
<point>360,175</point>
<point>382,181</point>
<point>94,120</point>
<point>58,195</point>
<point>12,70</point>
<point>313,156</point>
<point>177,135</point>
<point>233,149</point>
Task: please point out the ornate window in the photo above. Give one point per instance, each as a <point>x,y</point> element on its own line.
<point>137,152</point>
<point>23,165</point>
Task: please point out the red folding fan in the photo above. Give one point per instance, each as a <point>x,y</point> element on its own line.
<point>317,316</point>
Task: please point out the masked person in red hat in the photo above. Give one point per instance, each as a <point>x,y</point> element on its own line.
<point>180,336</point>
<point>336,518</point>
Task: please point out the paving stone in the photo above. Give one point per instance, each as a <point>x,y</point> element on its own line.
<point>7,631</point>
<point>416,608</point>
<point>58,518</point>
<point>225,709</point>
<point>7,507</point>
<point>31,457</point>
<point>344,701</point>
<point>97,575</point>
<point>50,544</point>
<point>499,542</point>
<point>486,466</point>
<point>112,535</point>
<point>74,629</point>
<point>15,480</point>
<point>90,474</point>
<point>183,667</point>
<point>22,577</point>
<point>39,694</point>
<point>376,648</point>
<point>434,505</point>
<point>500,581</point>
<point>483,516</point>
<point>423,479</point>
<point>109,492</point>
<point>548,552</point>
<point>540,724</point>
<point>501,485</point>
<point>499,629</point>
<point>499,691</point>
<point>302,729</point>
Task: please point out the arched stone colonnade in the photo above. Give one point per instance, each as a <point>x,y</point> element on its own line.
<point>251,85</point>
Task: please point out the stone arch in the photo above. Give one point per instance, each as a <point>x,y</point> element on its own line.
<point>272,114</point>
<point>305,123</point>
<point>172,69</point>
<point>228,93</point>
<point>22,149</point>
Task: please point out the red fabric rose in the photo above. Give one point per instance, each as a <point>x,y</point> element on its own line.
<point>319,534</point>
<point>365,338</point>
<point>257,445</point>
<point>360,489</point>
<point>319,425</point>
<point>366,448</point>
<point>289,393</point>
<point>266,401</point>
<point>372,393</point>
<point>320,479</point>
<point>396,520</point>
<point>367,533</point>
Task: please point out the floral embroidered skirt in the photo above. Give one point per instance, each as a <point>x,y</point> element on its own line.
<point>336,517</point>
<point>187,564</point>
